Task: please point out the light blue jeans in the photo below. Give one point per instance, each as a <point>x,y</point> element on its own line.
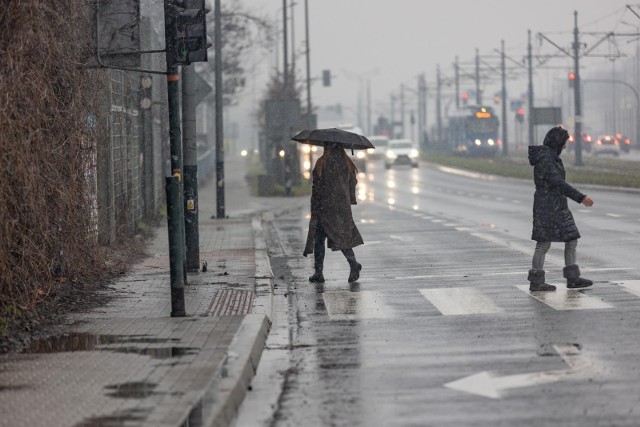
<point>543,247</point>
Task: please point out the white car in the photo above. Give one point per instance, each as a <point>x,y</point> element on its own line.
<point>606,144</point>
<point>380,142</point>
<point>401,152</point>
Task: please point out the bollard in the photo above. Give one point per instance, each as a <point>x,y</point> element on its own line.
<point>175,223</point>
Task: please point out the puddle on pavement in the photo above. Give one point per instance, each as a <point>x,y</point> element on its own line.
<point>156,353</point>
<point>119,419</point>
<point>132,390</point>
<point>92,342</point>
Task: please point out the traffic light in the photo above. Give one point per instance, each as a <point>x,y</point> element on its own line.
<point>572,79</point>
<point>190,24</point>
<point>326,77</point>
<point>465,97</point>
<point>520,115</point>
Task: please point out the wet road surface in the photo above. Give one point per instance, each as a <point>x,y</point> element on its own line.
<point>441,328</point>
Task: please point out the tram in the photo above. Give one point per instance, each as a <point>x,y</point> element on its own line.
<point>473,131</point>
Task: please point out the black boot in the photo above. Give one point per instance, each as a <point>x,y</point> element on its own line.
<point>354,273</point>
<point>536,279</point>
<point>317,277</point>
<point>574,281</point>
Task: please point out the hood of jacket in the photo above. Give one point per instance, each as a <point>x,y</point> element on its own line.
<point>538,152</point>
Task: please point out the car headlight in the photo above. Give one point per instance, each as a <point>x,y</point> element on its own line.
<point>370,150</point>
<point>477,142</point>
<point>491,142</point>
<point>360,155</point>
<point>413,153</point>
<point>391,155</point>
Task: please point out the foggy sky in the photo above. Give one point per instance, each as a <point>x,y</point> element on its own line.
<point>391,42</point>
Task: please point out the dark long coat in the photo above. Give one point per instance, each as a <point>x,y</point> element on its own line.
<point>332,194</point>
<point>552,219</point>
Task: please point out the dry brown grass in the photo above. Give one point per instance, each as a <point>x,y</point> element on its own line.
<point>46,150</point>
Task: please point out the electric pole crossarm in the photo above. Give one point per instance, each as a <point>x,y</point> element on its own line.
<point>561,49</point>
<point>598,43</point>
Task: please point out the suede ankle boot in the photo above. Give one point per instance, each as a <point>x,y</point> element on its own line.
<point>574,281</point>
<point>536,279</point>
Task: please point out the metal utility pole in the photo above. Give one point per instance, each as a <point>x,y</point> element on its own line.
<point>530,89</point>
<point>393,116</point>
<point>457,78</point>
<point>285,74</point>
<point>422,109</point>
<point>368,106</point>
<point>175,219</point>
<point>577,94</point>
<point>478,95</point>
<point>402,118</point>
<point>286,95</point>
<point>503,96</point>
<point>220,211</point>
<point>308,58</point>
<point>438,102</point>
<point>190,150</point>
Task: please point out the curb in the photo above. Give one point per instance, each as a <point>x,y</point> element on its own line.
<point>218,405</point>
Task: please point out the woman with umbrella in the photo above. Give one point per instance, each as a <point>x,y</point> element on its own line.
<point>333,192</point>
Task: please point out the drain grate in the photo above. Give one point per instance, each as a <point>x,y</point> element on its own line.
<point>230,302</point>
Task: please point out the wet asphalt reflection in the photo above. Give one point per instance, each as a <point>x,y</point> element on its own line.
<point>441,328</point>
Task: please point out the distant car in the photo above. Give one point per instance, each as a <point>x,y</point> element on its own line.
<point>380,142</point>
<point>359,159</point>
<point>401,152</point>
<point>587,142</point>
<point>606,144</point>
<point>360,156</point>
<point>624,142</point>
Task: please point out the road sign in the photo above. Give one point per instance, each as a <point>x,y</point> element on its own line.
<point>547,115</point>
<point>202,88</point>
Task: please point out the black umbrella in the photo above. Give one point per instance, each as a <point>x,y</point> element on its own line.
<point>320,136</point>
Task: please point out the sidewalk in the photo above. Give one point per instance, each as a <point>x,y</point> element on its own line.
<point>130,364</point>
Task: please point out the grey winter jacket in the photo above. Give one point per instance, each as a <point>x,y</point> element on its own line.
<point>552,219</point>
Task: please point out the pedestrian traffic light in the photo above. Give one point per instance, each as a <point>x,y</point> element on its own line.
<point>572,79</point>
<point>326,77</point>
<point>190,24</point>
<point>520,115</point>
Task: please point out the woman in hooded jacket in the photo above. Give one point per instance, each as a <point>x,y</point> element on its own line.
<point>552,219</point>
<point>333,192</point>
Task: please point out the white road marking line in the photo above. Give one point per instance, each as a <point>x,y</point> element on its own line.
<point>631,286</point>
<point>525,249</point>
<point>437,220</point>
<point>500,199</point>
<point>566,299</point>
<point>345,305</point>
<point>427,217</point>
<point>493,386</point>
<point>517,202</point>
<point>400,238</point>
<point>450,224</point>
<point>460,301</point>
<point>522,273</point>
<point>614,215</point>
<point>463,229</point>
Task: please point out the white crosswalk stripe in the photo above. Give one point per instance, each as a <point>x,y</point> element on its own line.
<point>632,286</point>
<point>566,299</point>
<point>345,305</point>
<point>460,301</point>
